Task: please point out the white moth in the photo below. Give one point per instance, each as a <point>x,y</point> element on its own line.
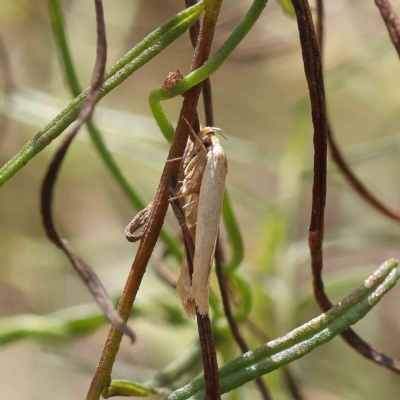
<point>204,184</point>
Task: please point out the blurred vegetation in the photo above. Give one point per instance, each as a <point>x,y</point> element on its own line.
<point>261,102</point>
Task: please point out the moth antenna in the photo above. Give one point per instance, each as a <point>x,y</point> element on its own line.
<point>196,138</point>
<point>218,130</point>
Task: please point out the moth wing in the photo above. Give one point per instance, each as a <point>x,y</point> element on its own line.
<point>184,286</point>
<point>208,219</point>
<point>193,175</point>
<point>184,290</point>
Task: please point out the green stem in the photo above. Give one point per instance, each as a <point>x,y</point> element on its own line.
<point>58,27</point>
<point>234,236</point>
<point>146,50</point>
<point>78,320</point>
<point>300,341</point>
<point>120,387</point>
<point>177,368</point>
<point>205,71</point>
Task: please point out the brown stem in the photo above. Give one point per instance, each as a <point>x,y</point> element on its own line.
<point>334,151</point>
<point>152,229</point>
<point>287,373</point>
<point>206,88</point>
<point>88,276</point>
<point>392,22</point>
<point>206,338</point>
<point>163,272</point>
<point>355,183</point>
<point>313,70</point>
<point>320,23</point>
<point>222,281</point>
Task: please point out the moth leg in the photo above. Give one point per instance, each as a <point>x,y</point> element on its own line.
<point>192,225</point>
<point>174,159</point>
<point>180,196</point>
<point>138,221</point>
<point>199,146</point>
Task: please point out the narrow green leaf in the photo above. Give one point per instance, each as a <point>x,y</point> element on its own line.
<point>300,341</point>
<point>234,235</point>
<point>78,320</point>
<point>287,7</point>
<point>128,388</point>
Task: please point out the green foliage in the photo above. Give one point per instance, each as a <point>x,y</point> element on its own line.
<point>287,7</point>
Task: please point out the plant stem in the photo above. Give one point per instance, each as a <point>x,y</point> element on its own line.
<point>313,68</point>
<point>300,341</point>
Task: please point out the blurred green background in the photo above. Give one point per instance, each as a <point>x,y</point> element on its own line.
<point>260,100</point>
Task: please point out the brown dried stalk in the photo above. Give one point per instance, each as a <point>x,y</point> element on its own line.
<point>206,338</point>
<point>334,151</point>
<point>206,85</point>
<point>209,120</point>
<point>88,276</point>
<point>162,271</point>
<point>392,22</point>
<point>313,70</point>
<point>152,229</point>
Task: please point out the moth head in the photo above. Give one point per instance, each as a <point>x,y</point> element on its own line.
<point>208,134</point>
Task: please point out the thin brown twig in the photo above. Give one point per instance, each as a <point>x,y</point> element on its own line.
<point>209,120</point>
<point>355,183</point>
<point>88,276</point>
<point>163,272</point>
<point>320,22</point>
<point>152,229</point>
<point>313,71</point>
<point>206,338</point>
<point>206,85</point>
<point>222,281</point>
<point>334,151</point>
<point>392,22</point>
<point>287,373</point>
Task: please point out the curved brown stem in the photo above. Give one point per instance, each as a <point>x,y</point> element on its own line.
<point>313,70</point>
<point>392,22</point>
<point>88,276</point>
<point>355,183</point>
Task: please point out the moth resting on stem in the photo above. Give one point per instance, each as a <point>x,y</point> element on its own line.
<point>204,185</point>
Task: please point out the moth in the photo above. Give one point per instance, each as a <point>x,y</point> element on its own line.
<point>204,185</point>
